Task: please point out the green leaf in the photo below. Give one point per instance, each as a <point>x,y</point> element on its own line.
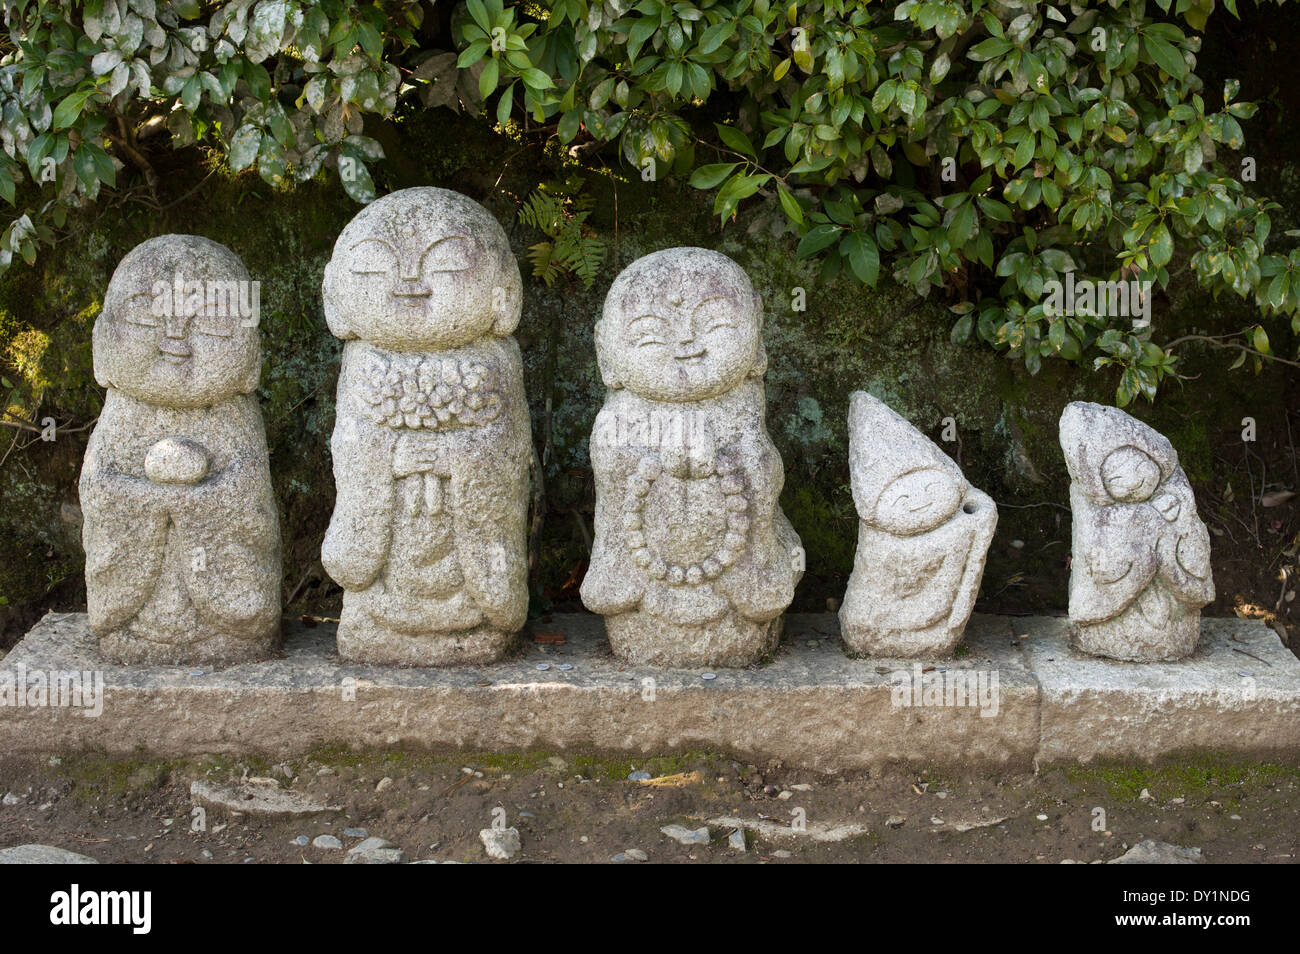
<point>864,257</point>
<point>716,35</point>
<point>487,80</point>
<point>736,139</point>
<point>66,113</point>
<point>356,180</point>
<point>480,15</point>
<point>988,49</point>
<point>505,104</point>
<point>569,125</point>
<point>1162,245</point>
<point>818,238</point>
<point>711,176</point>
<point>790,204</point>
<point>963,225</point>
<point>1260,339</point>
<point>535,79</point>
<point>1166,56</point>
<point>244,146</point>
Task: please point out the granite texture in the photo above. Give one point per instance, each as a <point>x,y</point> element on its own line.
<point>1140,571</point>
<point>923,535</point>
<point>1020,696</point>
<point>693,561</point>
<point>181,531</point>
<point>431,443</point>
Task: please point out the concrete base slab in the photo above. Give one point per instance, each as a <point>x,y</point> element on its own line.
<point>1018,697</point>
<point>1239,692</point>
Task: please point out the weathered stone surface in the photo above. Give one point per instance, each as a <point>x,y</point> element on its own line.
<point>500,843</point>
<point>431,442</point>
<point>375,851</point>
<point>693,561</point>
<point>1141,555</point>
<point>1239,693</point>
<point>686,836</point>
<point>42,855</point>
<point>923,535</point>
<point>264,800</point>
<point>811,706</point>
<point>1021,695</point>
<point>180,527</point>
<point>1151,852</point>
<point>770,830</point>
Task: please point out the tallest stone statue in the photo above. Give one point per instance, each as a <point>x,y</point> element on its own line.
<point>431,441</point>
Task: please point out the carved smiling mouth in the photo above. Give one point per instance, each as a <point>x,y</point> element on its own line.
<point>411,299</point>
<point>175,352</point>
<point>693,358</point>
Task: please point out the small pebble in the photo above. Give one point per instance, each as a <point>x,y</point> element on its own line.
<point>709,676</point>
<point>543,666</point>
<point>326,841</point>
<point>302,841</point>
<point>638,776</point>
<point>356,833</point>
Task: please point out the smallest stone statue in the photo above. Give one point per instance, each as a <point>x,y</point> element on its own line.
<point>1141,564</point>
<point>923,536</point>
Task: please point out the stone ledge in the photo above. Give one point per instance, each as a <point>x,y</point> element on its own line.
<point>810,706</point>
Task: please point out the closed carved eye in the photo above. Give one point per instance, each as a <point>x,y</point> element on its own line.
<point>215,327</point>
<point>455,253</point>
<point>648,330</point>
<point>715,313</point>
<point>374,256</point>
<point>138,310</point>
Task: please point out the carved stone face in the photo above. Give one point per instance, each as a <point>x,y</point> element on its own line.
<point>422,269</point>
<point>680,325</point>
<point>1129,475</point>
<point>917,501</point>
<point>179,325</point>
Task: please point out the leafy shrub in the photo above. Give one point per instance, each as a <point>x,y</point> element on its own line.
<point>972,149</point>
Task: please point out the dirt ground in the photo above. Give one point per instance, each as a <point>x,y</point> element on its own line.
<point>579,809</point>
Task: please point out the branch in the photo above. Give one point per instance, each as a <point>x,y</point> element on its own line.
<point>1220,341</point>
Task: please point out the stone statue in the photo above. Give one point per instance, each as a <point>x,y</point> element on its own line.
<point>1141,564</point>
<point>923,535</point>
<point>431,442</point>
<point>181,534</point>
<point>693,561</point>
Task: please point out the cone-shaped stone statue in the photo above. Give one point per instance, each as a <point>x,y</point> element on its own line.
<point>1141,564</point>
<point>431,440</point>
<point>923,535</point>
<point>693,561</point>
<point>181,534</point>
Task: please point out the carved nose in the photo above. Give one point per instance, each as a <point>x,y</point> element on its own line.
<point>175,326</point>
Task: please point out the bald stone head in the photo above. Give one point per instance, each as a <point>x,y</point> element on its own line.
<point>179,324</point>
<point>422,269</point>
<point>683,324</point>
